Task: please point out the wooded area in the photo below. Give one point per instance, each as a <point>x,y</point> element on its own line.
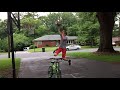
<point>85,25</point>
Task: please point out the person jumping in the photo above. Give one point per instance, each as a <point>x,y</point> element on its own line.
<point>63,43</point>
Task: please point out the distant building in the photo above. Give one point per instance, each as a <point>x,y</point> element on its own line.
<point>116,40</point>
<point>52,40</point>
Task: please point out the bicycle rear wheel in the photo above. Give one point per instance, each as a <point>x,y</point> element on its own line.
<point>59,75</point>
<point>50,72</point>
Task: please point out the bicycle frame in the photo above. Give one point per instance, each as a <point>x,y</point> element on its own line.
<point>54,69</point>
<point>55,66</point>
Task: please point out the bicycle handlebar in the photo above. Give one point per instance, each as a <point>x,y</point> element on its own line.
<point>69,61</point>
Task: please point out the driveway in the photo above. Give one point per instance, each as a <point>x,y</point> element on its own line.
<point>80,68</point>
<point>37,67</point>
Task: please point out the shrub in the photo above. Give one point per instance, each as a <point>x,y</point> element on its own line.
<point>32,46</point>
<point>2,50</point>
<point>47,45</point>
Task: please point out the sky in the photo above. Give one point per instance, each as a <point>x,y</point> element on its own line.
<point>3,15</point>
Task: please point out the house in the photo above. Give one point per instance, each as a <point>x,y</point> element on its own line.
<point>116,40</point>
<point>52,40</point>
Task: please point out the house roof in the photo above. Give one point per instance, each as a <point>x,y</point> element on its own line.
<point>114,39</point>
<point>53,37</point>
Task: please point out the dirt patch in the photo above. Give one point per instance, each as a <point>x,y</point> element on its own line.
<point>115,62</point>
<point>7,73</point>
<point>107,53</point>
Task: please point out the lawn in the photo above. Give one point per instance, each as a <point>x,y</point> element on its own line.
<point>6,67</point>
<point>47,49</point>
<point>2,52</point>
<point>88,47</point>
<point>92,56</point>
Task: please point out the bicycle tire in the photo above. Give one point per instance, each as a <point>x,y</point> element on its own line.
<point>59,75</point>
<point>50,72</point>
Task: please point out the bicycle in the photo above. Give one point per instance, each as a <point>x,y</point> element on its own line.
<point>54,70</point>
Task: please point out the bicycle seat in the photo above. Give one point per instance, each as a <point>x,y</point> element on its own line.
<point>52,61</point>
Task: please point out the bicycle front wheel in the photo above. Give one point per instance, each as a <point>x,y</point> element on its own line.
<point>50,72</point>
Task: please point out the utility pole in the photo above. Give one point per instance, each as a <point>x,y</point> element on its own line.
<point>12,43</point>
<point>9,40</point>
<point>10,20</point>
<point>8,43</point>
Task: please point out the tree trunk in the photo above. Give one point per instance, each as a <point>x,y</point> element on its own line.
<point>106,20</point>
<point>9,40</point>
<point>9,49</point>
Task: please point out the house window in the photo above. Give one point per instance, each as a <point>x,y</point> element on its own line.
<point>57,43</point>
<point>67,42</point>
<point>40,42</point>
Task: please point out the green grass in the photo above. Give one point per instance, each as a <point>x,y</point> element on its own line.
<point>88,47</point>
<point>6,67</point>
<point>92,56</point>
<point>2,52</point>
<point>47,49</point>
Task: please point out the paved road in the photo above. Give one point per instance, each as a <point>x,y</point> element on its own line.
<point>25,54</point>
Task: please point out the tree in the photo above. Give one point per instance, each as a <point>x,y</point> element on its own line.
<point>72,30</point>
<point>20,41</point>
<point>68,19</point>
<point>116,29</point>
<point>88,28</point>
<point>42,30</point>
<point>28,25</point>
<point>49,22</point>
<point>31,15</point>
<point>4,44</point>
<point>3,29</point>
<point>106,21</point>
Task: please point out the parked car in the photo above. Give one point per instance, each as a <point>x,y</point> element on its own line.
<point>73,47</point>
<point>114,44</point>
<point>25,48</point>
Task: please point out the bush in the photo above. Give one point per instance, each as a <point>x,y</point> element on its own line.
<point>2,50</point>
<point>32,46</point>
<point>19,46</point>
<point>4,44</point>
<point>20,41</point>
<point>47,45</point>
